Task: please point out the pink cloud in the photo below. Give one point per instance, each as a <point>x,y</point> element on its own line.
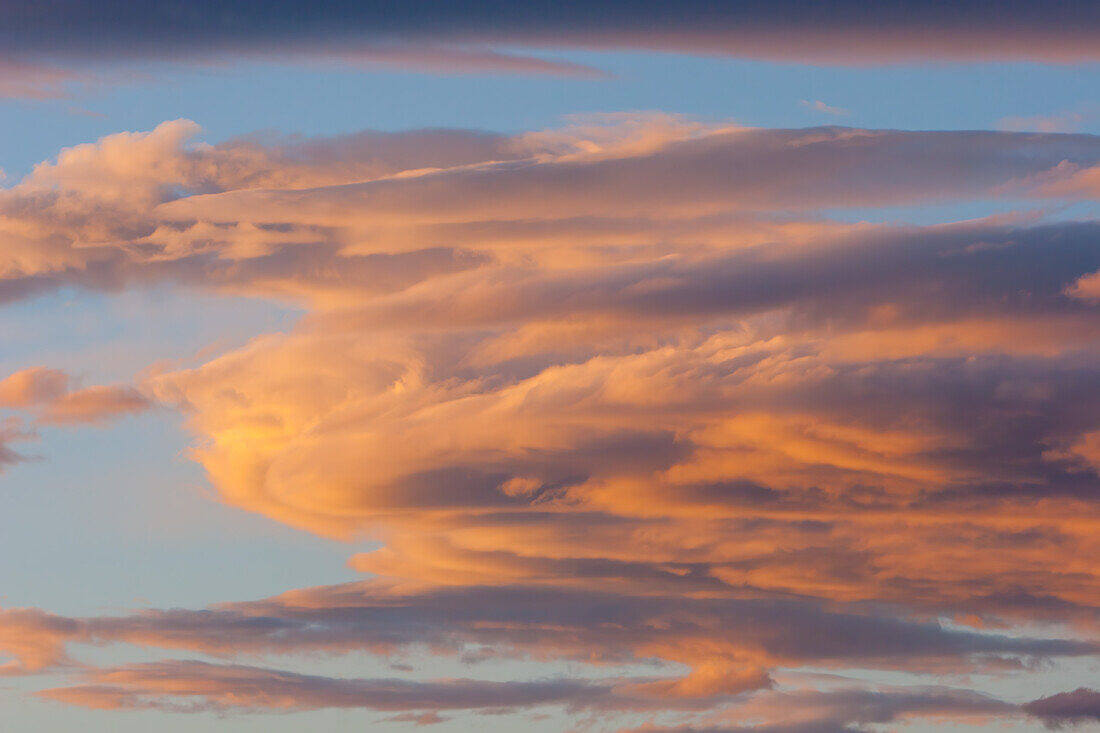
<point>49,393</point>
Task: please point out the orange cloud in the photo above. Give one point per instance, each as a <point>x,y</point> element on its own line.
<point>48,393</point>
<point>34,641</point>
<point>380,212</point>
<point>33,386</point>
<point>609,394</point>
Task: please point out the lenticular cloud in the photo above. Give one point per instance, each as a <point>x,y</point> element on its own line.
<point>616,400</point>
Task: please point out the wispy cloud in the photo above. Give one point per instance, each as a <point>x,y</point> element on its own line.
<point>819,106</point>
<point>49,394</point>
<point>1068,121</point>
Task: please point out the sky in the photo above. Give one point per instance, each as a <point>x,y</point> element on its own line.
<point>628,367</point>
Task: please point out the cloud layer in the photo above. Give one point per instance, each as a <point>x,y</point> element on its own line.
<point>43,39</point>
<point>614,394</point>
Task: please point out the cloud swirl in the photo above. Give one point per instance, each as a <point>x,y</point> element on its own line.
<point>616,393</point>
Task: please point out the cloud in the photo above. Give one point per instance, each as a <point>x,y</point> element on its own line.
<point>381,212</point>
<point>52,396</point>
<point>33,386</point>
<point>729,644</point>
<point>417,718</point>
<point>819,106</point>
<point>442,59</point>
<point>35,80</point>
<point>192,686</point>
<point>34,640</point>
<point>49,394</point>
<point>600,313</point>
<point>11,431</point>
<point>1063,122</point>
<point>96,404</point>
<point>463,37</point>
<point>725,170</point>
<point>612,394</point>
<point>814,711</point>
<point>1079,706</point>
